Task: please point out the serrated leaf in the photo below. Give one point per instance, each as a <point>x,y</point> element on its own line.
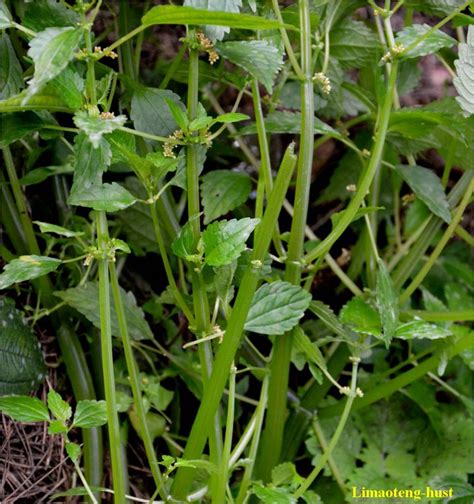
<point>106,198</point>
<point>22,366</point>
<point>273,495</point>
<point>90,413</point>
<point>96,126</point>
<point>45,227</point>
<point>327,317</point>
<point>427,187</point>
<point>215,32</point>
<point>57,427</point>
<point>284,474</point>
<point>258,57</point>
<point>27,267</point>
<point>161,164</point>
<point>224,241</point>
<point>223,191</point>
<point>178,113</point>
<point>440,8</point>
<point>304,345</point>
<point>289,122</point>
<point>464,80</point>
<point>91,162</point>
<point>85,299</point>
<point>361,317</point>
<point>170,14</point>
<point>150,112</point>
<point>69,86</point>
<point>418,329</point>
<point>51,51</point>
<point>24,408</point>
<point>276,308</point>
<point>58,407</point>
<point>387,302</point>
<point>42,14</point>
<point>5,16</point>
<point>46,99</point>
<point>435,41</point>
<point>11,73</point>
<point>353,44</point>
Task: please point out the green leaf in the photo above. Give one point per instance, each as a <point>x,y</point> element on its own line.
<point>58,407</point>
<point>327,317</point>
<point>184,245</point>
<point>57,427</point>
<point>27,267</point>
<point>42,14</point>
<point>361,317</point>
<point>46,99</point>
<point>38,175</point>
<point>17,125</point>
<point>289,122</point>
<point>22,366</point>
<point>215,32</point>
<point>150,112</point>
<point>273,495</point>
<point>24,408</point>
<point>95,126</point>
<point>91,162</point>
<point>464,80</point>
<point>440,8</point>
<point>353,44</point>
<point>432,43</point>
<point>224,241</point>
<point>73,451</point>
<point>121,144</point>
<point>418,329</point>
<point>178,113</point>
<point>85,299</point>
<point>304,345</point>
<point>276,308</point>
<point>231,117</point>
<point>361,212</point>
<point>45,227</point>
<point>161,164</point>
<point>11,73</point>
<point>106,198</point>
<point>90,414</point>
<point>223,191</point>
<point>171,14</point>
<point>387,303</point>
<point>258,57</point>
<point>69,87</point>
<point>427,187</point>
<point>5,16</point>
<point>51,51</point>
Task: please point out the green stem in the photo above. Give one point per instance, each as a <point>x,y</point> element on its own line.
<point>173,67</point>
<point>387,388</point>
<point>318,431</point>
<point>219,494</point>
<point>227,350</point>
<point>113,423</point>
<point>335,438</point>
<point>169,272</point>
<point>440,246</point>
<point>133,375</point>
<point>368,175</point>
<point>272,437</point>
<point>126,51</point>
<point>259,415</point>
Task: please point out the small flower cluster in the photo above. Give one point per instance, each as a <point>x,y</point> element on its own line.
<point>168,147</point>
<point>323,81</point>
<point>106,115</point>
<point>394,51</point>
<point>207,46</point>
<point>97,54</point>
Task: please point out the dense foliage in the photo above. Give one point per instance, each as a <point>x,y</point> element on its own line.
<point>253,251</point>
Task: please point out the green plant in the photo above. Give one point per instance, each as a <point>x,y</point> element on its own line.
<point>225,354</point>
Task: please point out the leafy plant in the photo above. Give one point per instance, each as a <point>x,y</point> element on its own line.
<point>237,236</point>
